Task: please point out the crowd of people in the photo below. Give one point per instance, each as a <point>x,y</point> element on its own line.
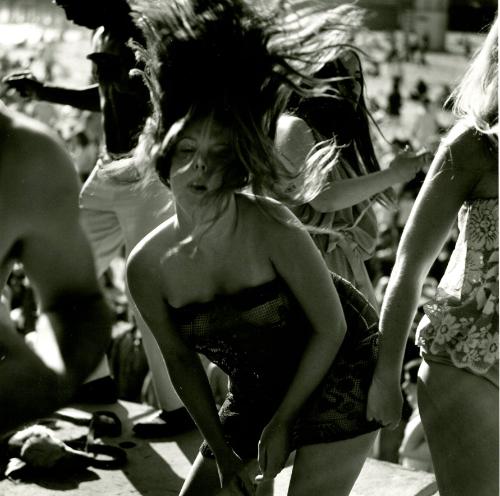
<point>283,273</point>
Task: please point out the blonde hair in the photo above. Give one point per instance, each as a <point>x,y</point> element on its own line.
<point>475,99</point>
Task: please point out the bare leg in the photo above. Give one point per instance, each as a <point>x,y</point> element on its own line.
<point>329,468</point>
<point>460,416</point>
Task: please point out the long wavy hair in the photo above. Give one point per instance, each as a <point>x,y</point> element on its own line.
<point>342,121</point>
<point>237,63</point>
<point>475,99</point>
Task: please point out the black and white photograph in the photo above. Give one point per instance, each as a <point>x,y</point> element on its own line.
<point>249,248</point>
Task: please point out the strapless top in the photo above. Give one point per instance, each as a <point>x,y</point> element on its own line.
<point>256,336</point>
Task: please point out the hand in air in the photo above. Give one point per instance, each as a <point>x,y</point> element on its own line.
<point>274,448</point>
<point>385,402</point>
<point>25,83</point>
<point>408,163</point>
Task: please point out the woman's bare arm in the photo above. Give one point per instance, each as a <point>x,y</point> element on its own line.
<point>450,181</point>
<point>346,193</point>
<point>295,257</point>
<point>188,376</point>
<point>295,142</point>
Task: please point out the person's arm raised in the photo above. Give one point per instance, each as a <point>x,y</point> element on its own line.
<point>27,85</point>
<point>346,193</point>
<point>295,141</point>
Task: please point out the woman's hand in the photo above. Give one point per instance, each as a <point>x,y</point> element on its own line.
<point>234,478</point>
<point>406,164</point>
<point>385,402</point>
<point>274,448</point>
<point>241,484</point>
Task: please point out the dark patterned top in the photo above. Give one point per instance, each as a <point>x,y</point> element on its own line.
<point>257,337</point>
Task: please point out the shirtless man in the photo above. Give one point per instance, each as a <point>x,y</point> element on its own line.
<point>40,228</point>
<point>114,211</point>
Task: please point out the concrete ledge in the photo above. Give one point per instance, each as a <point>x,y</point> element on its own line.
<point>159,467</point>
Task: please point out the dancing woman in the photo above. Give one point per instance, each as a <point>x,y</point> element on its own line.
<point>340,217</point>
<point>233,275</point>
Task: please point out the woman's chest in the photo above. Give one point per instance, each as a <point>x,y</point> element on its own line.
<point>199,275</point>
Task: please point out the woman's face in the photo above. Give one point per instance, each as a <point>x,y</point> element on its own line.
<point>201,154</point>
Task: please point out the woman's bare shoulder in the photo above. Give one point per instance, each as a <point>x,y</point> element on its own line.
<point>294,140</point>
<point>266,217</point>
<point>465,156</point>
<point>261,208</point>
<point>159,241</point>
<point>469,148</point>
<point>290,124</point>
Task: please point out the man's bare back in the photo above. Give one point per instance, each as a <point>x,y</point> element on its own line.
<point>40,229</point>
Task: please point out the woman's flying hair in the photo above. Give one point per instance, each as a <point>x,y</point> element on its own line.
<point>343,117</point>
<point>236,60</point>
<point>475,99</point>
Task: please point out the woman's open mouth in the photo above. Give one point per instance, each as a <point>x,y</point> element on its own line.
<point>198,188</point>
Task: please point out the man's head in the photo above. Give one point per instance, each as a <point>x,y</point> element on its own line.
<point>93,13</point>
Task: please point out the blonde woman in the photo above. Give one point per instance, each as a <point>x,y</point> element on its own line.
<point>458,378</point>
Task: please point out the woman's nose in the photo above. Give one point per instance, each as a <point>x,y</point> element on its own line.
<point>200,164</point>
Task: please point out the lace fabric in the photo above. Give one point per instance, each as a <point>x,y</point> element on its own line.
<point>461,321</point>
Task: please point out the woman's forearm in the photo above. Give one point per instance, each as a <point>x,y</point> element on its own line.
<point>397,314</point>
<point>192,386</point>
<point>349,192</point>
<point>316,360</point>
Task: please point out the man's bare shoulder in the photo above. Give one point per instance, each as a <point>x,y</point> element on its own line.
<point>38,182</point>
<point>32,157</point>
